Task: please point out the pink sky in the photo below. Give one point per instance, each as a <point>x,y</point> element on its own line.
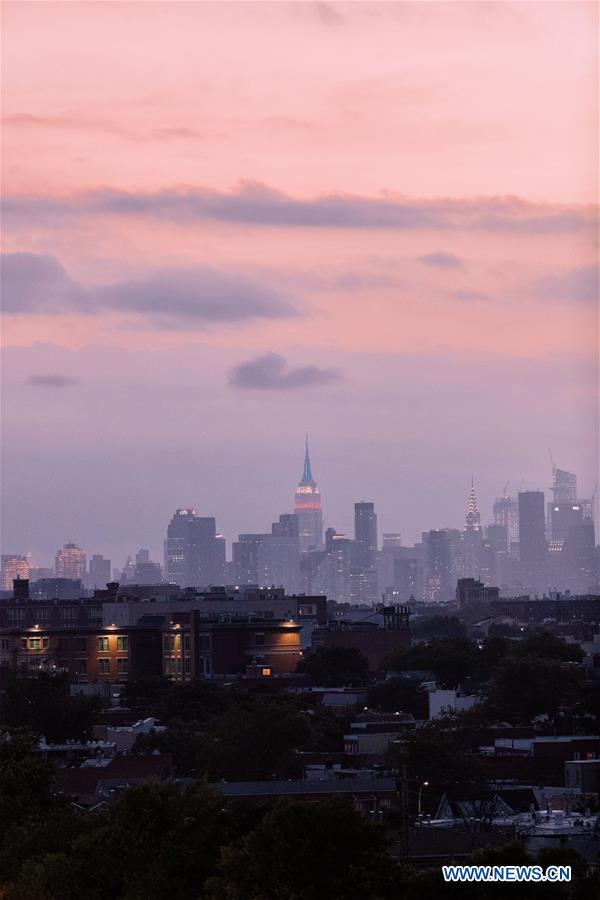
<point>402,182</point>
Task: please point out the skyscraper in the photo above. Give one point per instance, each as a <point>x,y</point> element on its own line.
<point>532,539</point>
<point>70,562</point>
<point>564,486</point>
<point>194,552</point>
<point>471,538</point>
<point>13,567</point>
<point>307,506</point>
<point>100,571</point>
<point>365,534</point>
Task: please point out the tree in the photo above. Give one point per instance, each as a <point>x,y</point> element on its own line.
<point>32,819</point>
<point>399,695</point>
<point>547,645</point>
<point>442,752</point>
<point>157,841</point>
<point>254,738</point>
<point>301,851</point>
<point>42,703</point>
<point>196,701</point>
<point>336,667</point>
<point>439,626</point>
<point>523,687</point>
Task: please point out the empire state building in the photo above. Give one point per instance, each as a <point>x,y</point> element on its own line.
<point>307,507</point>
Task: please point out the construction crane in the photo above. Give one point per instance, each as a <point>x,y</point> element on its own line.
<point>505,488</point>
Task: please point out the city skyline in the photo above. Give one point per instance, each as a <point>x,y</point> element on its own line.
<point>473,512</point>
<point>211,247</point>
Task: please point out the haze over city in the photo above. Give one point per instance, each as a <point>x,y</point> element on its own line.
<point>212,247</point>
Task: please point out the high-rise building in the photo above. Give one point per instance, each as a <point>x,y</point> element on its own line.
<point>13,567</point>
<point>194,552</point>
<point>564,486</point>
<point>70,562</point>
<point>472,517</point>
<point>307,506</point>
<point>100,571</point>
<point>506,514</point>
<point>245,558</point>
<point>365,534</point>
<point>438,565</point>
<point>532,540</point>
<point>470,549</point>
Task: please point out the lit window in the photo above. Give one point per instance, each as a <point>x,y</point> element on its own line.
<point>122,642</point>
<point>102,644</point>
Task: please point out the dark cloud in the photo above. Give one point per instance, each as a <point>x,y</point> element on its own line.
<point>578,284</point>
<point>468,296</point>
<point>271,373</point>
<point>257,204</point>
<point>171,298</point>
<point>53,381</point>
<point>328,14</point>
<point>441,260</point>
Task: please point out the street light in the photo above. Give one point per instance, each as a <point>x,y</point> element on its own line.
<point>425,784</point>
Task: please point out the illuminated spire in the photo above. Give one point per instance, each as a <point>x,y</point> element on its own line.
<point>307,474</point>
<point>473,518</point>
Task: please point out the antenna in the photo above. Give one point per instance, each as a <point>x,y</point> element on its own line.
<point>551,460</point>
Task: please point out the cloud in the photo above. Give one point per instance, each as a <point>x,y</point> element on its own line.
<point>271,373</point>
<point>468,296</point>
<point>577,284</point>
<point>441,260</point>
<point>53,381</point>
<point>85,124</point>
<point>328,14</point>
<point>259,205</point>
<point>171,298</point>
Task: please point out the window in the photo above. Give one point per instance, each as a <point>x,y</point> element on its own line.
<point>103,666</point>
<point>188,665</point>
<point>23,643</point>
<point>45,643</point>
<point>81,666</point>
<point>4,644</point>
<point>63,643</point>
<point>122,642</point>
<point>204,641</point>
<point>80,644</point>
<point>122,666</point>
<point>186,642</point>
<point>35,643</point>
<point>102,644</point>
<point>259,638</point>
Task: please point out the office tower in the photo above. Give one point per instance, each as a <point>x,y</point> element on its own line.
<point>13,567</point>
<point>438,565</point>
<point>470,549</point>
<point>245,558</point>
<point>564,516</point>
<point>194,552</point>
<point>365,534</point>
<point>100,571</point>
<point>564,486</point>
<point>472,517</point>
<point>392,539</point>
<point>307,506</point>
<point>580,558</point>
<point>279,554</point>
<point>506,513</point>
<point>532,540</point>
<point>141,557</point>
<point>70,562</point>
